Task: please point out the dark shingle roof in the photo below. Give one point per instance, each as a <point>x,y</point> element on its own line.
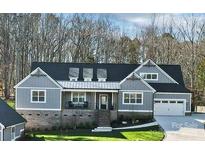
<point>8,116</point>
<point>169,87</point>
<point>115,72</point>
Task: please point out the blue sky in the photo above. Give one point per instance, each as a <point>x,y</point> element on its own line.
<point>132,23</point>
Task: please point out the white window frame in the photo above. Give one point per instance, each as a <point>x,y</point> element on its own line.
<point>135,98</point>
<point>101,79</point>
<point>73,78</point>
<point>78,97</point>
<point>38,92</point>
<point>168,100</point>
<point>13,134</point>
<point>87,79</point>
<point>145,74</point>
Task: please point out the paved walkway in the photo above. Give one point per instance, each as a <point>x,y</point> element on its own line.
<point>183,128</point>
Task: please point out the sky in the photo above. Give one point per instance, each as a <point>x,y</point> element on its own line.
<point>132,23</point>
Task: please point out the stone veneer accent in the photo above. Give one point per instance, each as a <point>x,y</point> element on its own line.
<point>49,119</point>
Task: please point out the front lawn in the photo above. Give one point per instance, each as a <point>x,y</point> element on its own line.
<point>151,134</point>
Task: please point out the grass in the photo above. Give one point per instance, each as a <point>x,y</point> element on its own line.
<point>151,134</point>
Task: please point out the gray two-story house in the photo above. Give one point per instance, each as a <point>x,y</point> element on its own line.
<point>56,94</point>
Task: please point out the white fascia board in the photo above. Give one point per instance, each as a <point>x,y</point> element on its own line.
<point>38,68</point>
<point>40,109</point>
<point>89,90</point>
<point>135,110</point>
<point>2,126</point>
<point>153,64</point>
<point>143,81</point>
<point>172,93</point>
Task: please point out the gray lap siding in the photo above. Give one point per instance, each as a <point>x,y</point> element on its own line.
<point>53,97</point>
<point>7,132</point>
<point>147,103</point>
<point>185,96</point>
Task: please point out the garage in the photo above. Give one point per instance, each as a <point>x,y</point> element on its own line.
<point>169,107</point>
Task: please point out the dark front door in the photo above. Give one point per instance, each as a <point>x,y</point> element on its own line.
<point>103,101</point>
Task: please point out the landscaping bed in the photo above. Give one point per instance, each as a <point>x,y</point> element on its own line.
<point>153,133</point>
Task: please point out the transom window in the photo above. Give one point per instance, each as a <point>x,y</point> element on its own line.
<point>38,96</point>
<point>169,101</point>
<point>149,76</point>
<point>78,97</point>
<point>133,98</point>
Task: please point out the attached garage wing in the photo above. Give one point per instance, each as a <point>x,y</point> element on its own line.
<point>169,107</point>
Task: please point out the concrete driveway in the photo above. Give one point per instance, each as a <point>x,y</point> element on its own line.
<point>183,128</point>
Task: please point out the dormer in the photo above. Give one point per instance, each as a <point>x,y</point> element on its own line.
<point>87,74</point>
<point>73,74</point>
<point>102,75</point>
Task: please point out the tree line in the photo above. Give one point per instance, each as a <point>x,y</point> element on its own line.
<point>88,38</point>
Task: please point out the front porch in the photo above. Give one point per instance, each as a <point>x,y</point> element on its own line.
<point>88,100</point>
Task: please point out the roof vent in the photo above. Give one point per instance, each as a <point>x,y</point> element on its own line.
<point>73,72</point>
<point>102,74</point>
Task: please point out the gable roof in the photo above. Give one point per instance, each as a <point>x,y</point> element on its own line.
<point>115,72</point>
<point>9,116</point>
<point>169,87</point>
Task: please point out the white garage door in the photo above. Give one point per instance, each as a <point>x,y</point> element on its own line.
<point>169,107</point>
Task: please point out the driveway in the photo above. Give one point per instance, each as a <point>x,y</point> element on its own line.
<point>183,128</point>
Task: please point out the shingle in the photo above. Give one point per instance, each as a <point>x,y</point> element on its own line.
<point>115,72</point>
<point>8,116</point>
<point>169,87</point>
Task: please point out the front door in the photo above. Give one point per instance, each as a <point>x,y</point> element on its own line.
<point>103,101</point>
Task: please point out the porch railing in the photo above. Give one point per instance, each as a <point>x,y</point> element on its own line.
<point>75,105</point>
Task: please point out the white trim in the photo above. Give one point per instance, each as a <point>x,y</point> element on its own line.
<point>85,96</point>
<point>40,109</point>
<point>36,88</point>
<point>88,90</point>
<point>28,76</point>
<point>95,107</point>
<point>112,101</point>
<point>102,79</point>
<point>143,73</point>
<point>13,138</point>
<point>16,98</point>
<point>171,93</point>
<point>60,99</point>
<point>38,102</point>
<point>1,130</point>
<point>143,81</point>
<point>155,65</point>
<point>87,79</point>
<point>136,92</point>
<point>107,104</point>
<point>73,78</point>
<point>135,110</point>
<point>16,125</point>
<point>190,102</point>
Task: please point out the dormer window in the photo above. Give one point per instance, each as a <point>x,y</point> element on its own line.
<point>102,74</point>
<point>73,74</point>
<point>149,76</point>
<point>87,74</point>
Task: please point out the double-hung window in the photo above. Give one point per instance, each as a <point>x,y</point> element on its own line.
<point>133,98</point>
<point>149,76</point>
<point>38,96</point>
<point>78,97</point>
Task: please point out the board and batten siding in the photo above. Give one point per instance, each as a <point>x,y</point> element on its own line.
<point>23,93</point>
<point>185,96</point>
<point>162,78</point>
<point>38,81</point>
<point>135,86</point>
<point>8,135</point>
